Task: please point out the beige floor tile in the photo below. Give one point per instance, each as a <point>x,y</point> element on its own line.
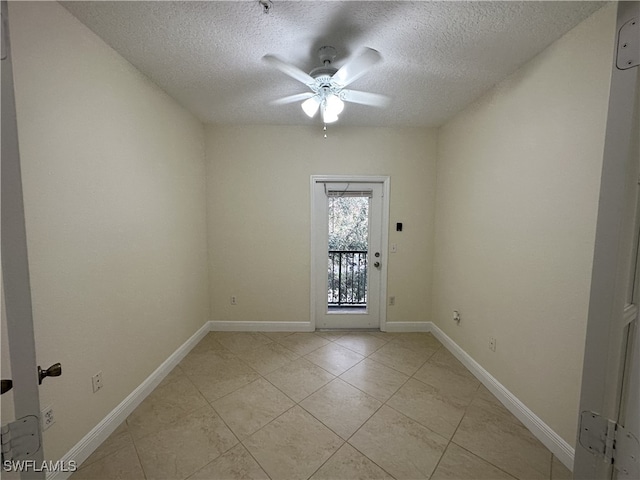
<point>267,358</point>
<point>459,464</point>
<point>386,336</point>
<point>334,358</point>
<point>303,342</point>
<point>208,343</point>
<point>236,464</point>
<point>243,342</point>
<point>204,361</point>
<point>120,438</point>
<point>186,446</point>
<point>445,359</point>
<point>229,376</point>
<point>178,434</point>
<point>332,334</point>
<point>120,465</point>
<point>399,445</point>
<point>299,379</point>
<point>220,335</point>
<point>349,464</point>
<point>275,336</point>
<point>449,381</point>
<point>483,398</point>
<point>428,406</point>
<point>421,342</point>
<point>488,433</point>
<point>251,407</point>
<point>398,357</point>
<point>341,407</point>
<point>175,374</point>
<point>559,471</point>
<point>293,446</point>
<point>362,343</point>
<point>164,406</point>
<point>375,379</point>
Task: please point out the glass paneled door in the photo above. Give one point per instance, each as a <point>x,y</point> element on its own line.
<point>347,253</point>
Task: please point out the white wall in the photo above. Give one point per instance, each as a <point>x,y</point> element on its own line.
<point>113,173</point>
<point>259,214</point>
<point>517,194</point>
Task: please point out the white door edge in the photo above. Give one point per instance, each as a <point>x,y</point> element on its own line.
<point>15,267</point>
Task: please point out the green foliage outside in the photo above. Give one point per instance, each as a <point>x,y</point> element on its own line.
<point>348,223</point>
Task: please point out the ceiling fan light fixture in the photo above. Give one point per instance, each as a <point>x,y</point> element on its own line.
<point>311,105</point>
<point>328,116</point>
<point>334,105</point>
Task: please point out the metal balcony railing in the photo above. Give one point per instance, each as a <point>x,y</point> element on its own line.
<point>347,272</point>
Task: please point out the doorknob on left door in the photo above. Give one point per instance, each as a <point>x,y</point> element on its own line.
<point>54,370</point>
<point>6,386</point>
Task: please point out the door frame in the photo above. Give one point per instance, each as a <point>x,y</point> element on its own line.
<point>385,180</point>
<point>606,336</point>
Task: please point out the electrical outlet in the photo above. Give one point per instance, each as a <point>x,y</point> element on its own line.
<point>392,300</point>
<point>492,344</point>
<point>234,300</point>
<point>96,380</point>
<point>47,418</point>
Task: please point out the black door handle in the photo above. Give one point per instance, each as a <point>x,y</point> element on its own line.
<point>54,370</point>
<point>6,386</point>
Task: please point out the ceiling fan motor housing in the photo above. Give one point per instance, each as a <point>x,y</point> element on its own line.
<point>327,55</point>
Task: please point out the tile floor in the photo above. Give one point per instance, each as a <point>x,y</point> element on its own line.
<point>323,405</point>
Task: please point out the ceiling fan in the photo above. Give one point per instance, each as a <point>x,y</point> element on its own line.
<point>327,83</point>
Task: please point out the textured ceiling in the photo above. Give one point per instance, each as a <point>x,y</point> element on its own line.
<point>437,56</point>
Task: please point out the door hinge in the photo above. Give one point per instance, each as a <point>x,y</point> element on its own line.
<point>617,446</point>
<point>628,55</point>
<point>20,439</point>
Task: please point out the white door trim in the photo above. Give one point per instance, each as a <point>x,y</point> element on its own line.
<point>385,180</point>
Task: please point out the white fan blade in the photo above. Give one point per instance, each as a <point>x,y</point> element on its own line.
<point>292,98</point>
<point>291,70</point>
<point>364,98</point>
<point>356,67</point>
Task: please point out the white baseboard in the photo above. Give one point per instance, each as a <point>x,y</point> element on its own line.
<point>550,439</point>
<point>92,440</point>
<point>218,326</point>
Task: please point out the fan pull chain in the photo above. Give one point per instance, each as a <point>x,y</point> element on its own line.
<point>325,130</point>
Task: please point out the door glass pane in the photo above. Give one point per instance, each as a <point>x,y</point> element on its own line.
<point>348,253</point>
